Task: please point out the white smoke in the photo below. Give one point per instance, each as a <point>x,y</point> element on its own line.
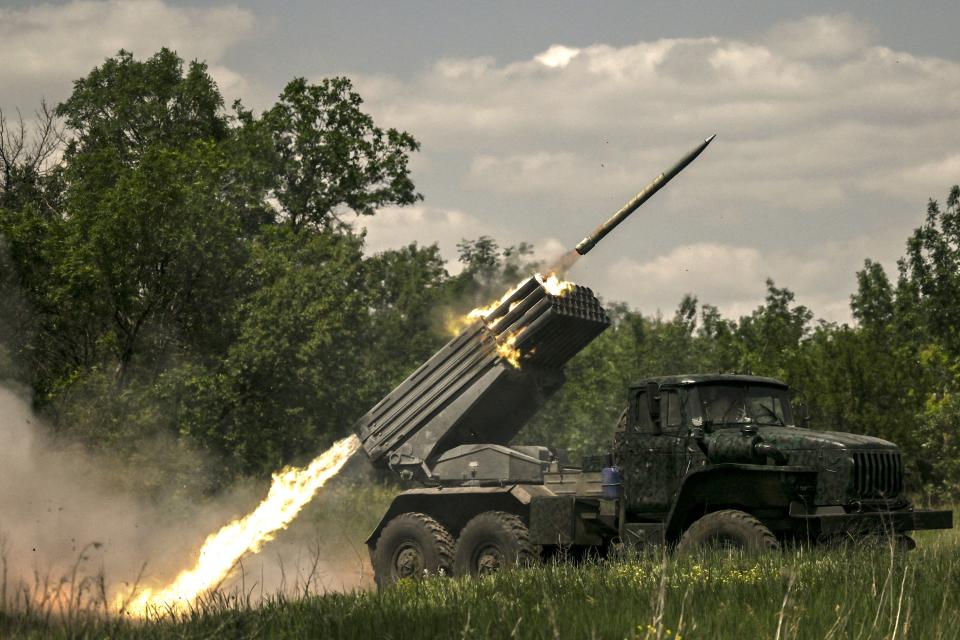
<point>66,527</point>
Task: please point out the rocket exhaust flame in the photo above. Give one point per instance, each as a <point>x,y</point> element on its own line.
<point>554,285</point>
<point>551,283</point>
<point>508,350</point>
<point>291,489</point>
<point>506,345</point>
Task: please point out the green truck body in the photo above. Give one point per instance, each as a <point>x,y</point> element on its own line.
<point>695,460</point>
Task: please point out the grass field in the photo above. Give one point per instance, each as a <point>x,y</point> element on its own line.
<point>820,593</point>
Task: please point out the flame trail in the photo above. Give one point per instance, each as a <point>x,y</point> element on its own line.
<point>554,285</point>
<point>551,283</point>
<point>291,489</point>
<point>506,344</point>
<point>457,324</point>
<point>508,350</point>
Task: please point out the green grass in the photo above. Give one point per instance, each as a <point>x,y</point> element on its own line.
<point>800,593</point>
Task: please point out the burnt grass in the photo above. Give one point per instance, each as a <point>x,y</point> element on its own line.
<point>865,591</point>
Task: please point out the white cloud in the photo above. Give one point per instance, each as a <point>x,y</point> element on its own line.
<point>733,277</point>
<point>726,272</point>
<point>395,227</point>
<point>557,56</point>
<point>659,93</point>
<point>832,36</point>
<point>47,45</point>
<point>933,176</point>
<point>829,145</point>
<point>529,172</point>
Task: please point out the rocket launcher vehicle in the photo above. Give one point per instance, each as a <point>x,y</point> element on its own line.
<point>482,387</point>
<point>469,393</point>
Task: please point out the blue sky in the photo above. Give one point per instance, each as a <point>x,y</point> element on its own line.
<point>836,122</point>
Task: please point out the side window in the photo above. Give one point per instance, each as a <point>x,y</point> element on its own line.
<point>670,409</point>
<point>643,413</point>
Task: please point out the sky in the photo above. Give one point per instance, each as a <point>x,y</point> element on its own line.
<point>835,122</point>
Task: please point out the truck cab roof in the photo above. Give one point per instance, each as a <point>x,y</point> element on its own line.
<point>685,380</point>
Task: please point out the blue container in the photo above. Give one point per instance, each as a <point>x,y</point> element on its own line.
<point>611,482</point>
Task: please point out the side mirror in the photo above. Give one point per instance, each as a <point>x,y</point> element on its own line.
<point>653,405</point>
<point>797,399</point>
<point>804,416</point>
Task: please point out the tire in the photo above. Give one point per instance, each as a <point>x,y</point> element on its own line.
<point>412,545</point>
<point>491,541</point>
<point>728,529</point>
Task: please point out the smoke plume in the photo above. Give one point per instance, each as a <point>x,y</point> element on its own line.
<point>66,529</point>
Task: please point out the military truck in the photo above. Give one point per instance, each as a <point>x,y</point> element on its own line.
<point>695,459</point>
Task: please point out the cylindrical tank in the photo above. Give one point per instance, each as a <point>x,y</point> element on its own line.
<point>611,483</point>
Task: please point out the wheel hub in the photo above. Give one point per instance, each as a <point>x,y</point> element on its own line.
<point>408,561</point>
<point>489,559</point>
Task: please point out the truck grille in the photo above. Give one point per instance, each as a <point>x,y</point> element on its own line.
<point>877,474</point>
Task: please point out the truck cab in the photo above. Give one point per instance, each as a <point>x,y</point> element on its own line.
<point>697,460</point>
<point>698,451</point>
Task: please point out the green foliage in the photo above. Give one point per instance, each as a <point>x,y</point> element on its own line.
<point>159,290</point>
<point>410,287</point>
<point>329,155</point>
<point>930,274</point>
<point>185,275</point>
<point>288,383</point>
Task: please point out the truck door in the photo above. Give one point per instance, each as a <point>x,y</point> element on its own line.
<point>652,457</point>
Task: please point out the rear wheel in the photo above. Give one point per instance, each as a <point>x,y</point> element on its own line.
<point>491,541</point>
<point>728,529</point>
<point>412,545</point>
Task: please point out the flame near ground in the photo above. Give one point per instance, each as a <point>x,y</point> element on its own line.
<point>291,489</point>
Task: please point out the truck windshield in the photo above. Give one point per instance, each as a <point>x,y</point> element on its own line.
<point>731,405</point>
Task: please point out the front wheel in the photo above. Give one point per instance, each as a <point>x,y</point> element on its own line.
<point>491,541</point>
<point>728,529</point>
<point>412,545</point>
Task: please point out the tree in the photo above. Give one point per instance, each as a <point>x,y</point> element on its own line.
<point>772,334</point>
<point>29,194</point>
<point>153,245</point>
<point>930,274</point>
<point>292,378</point>
<point>27,158</point>
<point>408,287</point>
<point>329,154</point>
<point>872,304</point>
<point>125,107</point>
